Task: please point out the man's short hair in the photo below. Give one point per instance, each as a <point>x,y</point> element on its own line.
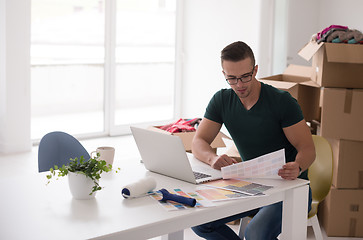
<point>237,51</point>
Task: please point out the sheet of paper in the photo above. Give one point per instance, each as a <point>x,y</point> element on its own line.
<point>218,194</point>
<point>240,186</point>
<point>266,166</point>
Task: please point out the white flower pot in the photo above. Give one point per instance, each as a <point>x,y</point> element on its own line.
<point>80,186</point>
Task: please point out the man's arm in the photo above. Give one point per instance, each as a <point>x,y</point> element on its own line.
<point>300,137</point>
<point>206,132</point>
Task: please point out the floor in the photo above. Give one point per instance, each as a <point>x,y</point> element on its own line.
<point>126,150</point>
<point>190,235</point>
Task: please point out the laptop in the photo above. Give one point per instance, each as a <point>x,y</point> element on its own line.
<point>165,154</point>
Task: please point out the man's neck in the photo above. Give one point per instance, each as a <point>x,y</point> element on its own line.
<point>252,99</point>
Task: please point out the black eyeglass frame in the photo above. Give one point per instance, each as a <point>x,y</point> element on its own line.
<point>245,78</point>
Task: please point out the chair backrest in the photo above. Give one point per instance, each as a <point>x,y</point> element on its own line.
<point>56,148</point>
<point>321,171</point>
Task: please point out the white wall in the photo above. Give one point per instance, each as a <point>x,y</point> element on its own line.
<point>279,40</point>
<point>210,25</point>
<point>308,17</point>
<point>303,22</point>
<point>347,12</point>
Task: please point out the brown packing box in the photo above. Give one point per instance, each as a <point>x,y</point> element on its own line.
<point>187,138</point>
<point>297,80</point>
<point>341,213</point>
<point>336,64</point>
<point>232,152</point>
<point>342,114</point>
<point>348,163</point>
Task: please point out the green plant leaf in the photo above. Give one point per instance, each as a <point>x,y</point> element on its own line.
<point>92,168</point>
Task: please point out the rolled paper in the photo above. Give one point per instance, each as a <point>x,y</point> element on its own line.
<point>177,198</point>
<point>139,188</point>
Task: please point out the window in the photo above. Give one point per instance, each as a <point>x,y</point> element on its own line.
<point>78,88</point>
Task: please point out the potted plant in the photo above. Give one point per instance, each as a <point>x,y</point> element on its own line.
<point>83,175</point>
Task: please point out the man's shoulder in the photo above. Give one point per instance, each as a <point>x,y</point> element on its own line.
<point>224,92</point>
<point>271,91</point>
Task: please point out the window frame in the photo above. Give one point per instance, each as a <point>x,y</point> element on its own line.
<point>109,128</point>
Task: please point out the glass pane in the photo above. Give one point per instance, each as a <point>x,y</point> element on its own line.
<point>145,61</point>
<point>67,66</point>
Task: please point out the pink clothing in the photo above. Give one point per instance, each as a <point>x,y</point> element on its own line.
<point>322,33</point>
<point>181,126</point>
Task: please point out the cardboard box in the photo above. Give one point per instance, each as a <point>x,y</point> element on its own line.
<point>187,138</point>
<point>342,114</point>
<point>232,152</point>
<point>297,80</point>
<point>336,64</point>
<point>341,213</point>
<point>348,163</point>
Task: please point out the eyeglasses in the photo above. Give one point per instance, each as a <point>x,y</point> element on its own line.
<point>244,78</point>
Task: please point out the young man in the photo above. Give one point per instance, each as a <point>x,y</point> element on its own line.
<point>260,119</point>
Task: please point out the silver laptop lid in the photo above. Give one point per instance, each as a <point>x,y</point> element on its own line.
<point>165,154</point>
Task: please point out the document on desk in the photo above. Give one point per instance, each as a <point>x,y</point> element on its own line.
<point>239,186</point>
<point>265,166</point>
<point>218,194</point>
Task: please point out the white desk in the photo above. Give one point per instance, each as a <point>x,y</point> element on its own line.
<point>31,210</point>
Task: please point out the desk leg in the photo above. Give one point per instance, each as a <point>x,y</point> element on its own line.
<point>174,236</point>
<point>295,214</point>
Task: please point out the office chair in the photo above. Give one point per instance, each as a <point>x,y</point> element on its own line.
<point>320,175</point>
<point>56,148</point>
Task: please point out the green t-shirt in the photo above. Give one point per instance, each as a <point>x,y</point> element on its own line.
<point>257,131</point>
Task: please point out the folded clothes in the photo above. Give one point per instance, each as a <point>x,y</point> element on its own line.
<point>338,34</point>
<point>321,36</point>
<point>328,29</point>
<point>350,36</point>
<point>336,40</point>
<point>181,125</point>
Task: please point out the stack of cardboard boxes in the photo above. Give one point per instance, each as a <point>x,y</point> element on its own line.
<point>339,72</point>
<point>331,92</point>
<point>298,81</point>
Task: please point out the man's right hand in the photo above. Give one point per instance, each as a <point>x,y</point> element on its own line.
<point>221,161</point>
<point>201,149</point>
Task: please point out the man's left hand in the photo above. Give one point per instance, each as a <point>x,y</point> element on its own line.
<point>289,171</point>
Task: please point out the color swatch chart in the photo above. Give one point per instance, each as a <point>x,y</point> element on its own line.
<point>218,194</point>
<point>240,186</point>
<point>266,166</point>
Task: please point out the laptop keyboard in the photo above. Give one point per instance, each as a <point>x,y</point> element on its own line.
<point>199,175</point>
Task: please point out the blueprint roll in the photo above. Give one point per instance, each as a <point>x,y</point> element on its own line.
<point>139,188</point>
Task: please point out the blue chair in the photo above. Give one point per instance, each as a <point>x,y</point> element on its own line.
<point>56,148</point>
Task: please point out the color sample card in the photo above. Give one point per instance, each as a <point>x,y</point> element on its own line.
<point>266,166</point>
<point>218,194</point>
<point>240,186</point>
